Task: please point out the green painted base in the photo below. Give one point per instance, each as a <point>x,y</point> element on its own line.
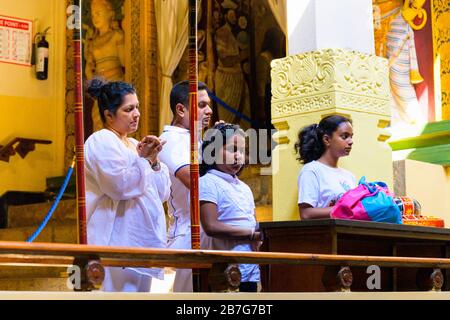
<point>432,145</point>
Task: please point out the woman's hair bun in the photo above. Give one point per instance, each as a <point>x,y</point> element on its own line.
<point>95,87</point>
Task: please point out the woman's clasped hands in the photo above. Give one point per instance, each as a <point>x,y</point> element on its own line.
<point>149,147</point>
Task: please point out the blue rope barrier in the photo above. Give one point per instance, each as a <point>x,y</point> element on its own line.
<point>232,110</point>
<point>55,204</point>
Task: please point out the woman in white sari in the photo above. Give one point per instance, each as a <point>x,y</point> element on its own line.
<point>125,185</point>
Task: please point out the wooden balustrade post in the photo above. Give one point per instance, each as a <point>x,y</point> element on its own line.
<point>336,278</point>
<point>430,279</point>
<point>92,274</point>
<point>224,277</point>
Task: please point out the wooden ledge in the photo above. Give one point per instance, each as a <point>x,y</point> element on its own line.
<point>17,253</point>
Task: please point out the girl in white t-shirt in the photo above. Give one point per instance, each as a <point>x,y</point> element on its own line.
<point>227,208</point>
<point>321,182</point>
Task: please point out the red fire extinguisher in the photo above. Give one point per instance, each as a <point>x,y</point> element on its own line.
<point>42,56</point>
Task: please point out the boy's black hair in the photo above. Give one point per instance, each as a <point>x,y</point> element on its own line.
<point>180,94</point>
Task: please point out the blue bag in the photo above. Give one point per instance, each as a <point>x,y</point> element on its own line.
<point>379,204</point>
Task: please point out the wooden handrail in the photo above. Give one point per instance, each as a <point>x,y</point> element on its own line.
<point>63,254</point>
<point>24,146</point>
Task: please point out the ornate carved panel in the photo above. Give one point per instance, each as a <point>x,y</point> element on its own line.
<point>70,99</point>
<point>141,55</point>
<point>135,48</point>
<point>330,78</point>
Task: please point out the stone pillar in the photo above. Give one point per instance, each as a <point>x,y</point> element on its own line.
<point>322,24</point>
<point>311,85</point>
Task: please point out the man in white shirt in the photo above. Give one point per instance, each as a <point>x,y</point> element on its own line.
<point>176,155</point>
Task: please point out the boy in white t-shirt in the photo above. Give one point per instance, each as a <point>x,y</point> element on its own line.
<point>321,182</point>
<point>176,155</point>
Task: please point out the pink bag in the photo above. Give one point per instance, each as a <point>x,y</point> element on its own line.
<point>349,206</point>
<point>369,201</point>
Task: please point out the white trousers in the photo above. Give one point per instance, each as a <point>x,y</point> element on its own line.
<point>183,277</point>
<point>183,280</point>
<point>125,280</point>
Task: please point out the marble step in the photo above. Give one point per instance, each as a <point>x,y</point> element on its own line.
<point>29,272</point>
<point>55,231</point>
<point>34,284</point>
<point>34,214</point>
<point>38,278</point>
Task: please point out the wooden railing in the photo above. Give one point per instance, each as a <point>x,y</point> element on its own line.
<point>22,146</point>
<point>92,259</point>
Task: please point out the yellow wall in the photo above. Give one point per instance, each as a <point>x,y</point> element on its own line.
<point>32,108</point>
<point>430,185</point>
<point>369,157</point>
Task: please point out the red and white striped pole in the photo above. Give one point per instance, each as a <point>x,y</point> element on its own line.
<point>79,126</point>
<point>194,171</point>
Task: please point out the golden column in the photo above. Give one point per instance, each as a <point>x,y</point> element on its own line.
<point>312,85</point>
<point>441,48</point>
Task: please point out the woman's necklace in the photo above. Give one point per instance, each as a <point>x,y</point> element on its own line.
<point>124,139</point>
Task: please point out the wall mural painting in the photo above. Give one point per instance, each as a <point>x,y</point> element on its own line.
<point>244,39</point>
<point>232,46</point>
<point>402,36</point>
<point>181,72</point>
<point>269,43</point>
